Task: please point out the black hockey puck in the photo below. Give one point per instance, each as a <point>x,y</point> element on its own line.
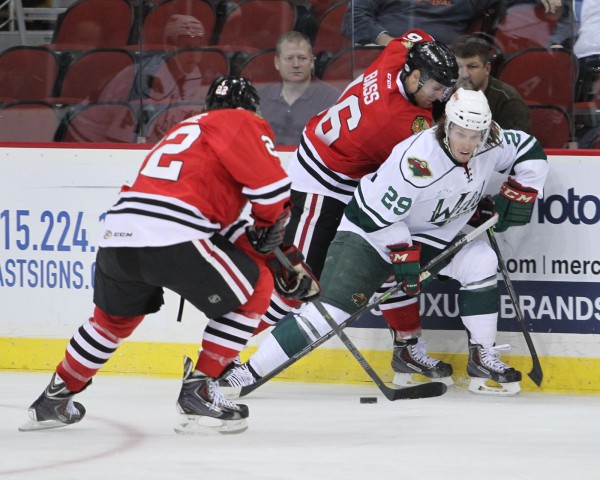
<point>368,399</point>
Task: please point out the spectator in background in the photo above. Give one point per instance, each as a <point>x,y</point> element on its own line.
<point>508,108</point>
<point>158,82</point>
<point>378,21</point>
<point>288,105</point>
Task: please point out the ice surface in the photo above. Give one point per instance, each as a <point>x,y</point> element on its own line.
<point>303,431</point>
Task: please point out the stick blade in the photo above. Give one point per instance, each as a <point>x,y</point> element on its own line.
<point>536,376</point>
<point>424,390</point>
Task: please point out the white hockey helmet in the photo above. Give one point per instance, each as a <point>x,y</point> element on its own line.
<point>469,109</point>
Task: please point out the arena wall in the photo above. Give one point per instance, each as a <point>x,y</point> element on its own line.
<point>51,203</point>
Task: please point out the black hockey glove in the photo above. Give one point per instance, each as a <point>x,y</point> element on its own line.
<point>485,210</point>
<point>406,263</point>
<point>298,284</point>
<point>265,239</point>
<point>514,204</point>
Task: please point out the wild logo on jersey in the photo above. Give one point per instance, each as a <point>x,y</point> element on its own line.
<point>419,168</point>
<point>419,124</point>
<point>444,213</point>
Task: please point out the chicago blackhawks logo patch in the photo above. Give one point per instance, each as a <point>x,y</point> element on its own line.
<point>419,168</point>
<point>419,124</point>
<point>359,299</point>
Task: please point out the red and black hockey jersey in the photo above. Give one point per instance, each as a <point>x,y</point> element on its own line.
<point>197,180</point>
<point>353,137</point>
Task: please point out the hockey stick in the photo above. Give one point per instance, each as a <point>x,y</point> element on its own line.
<point>451,250</point>
<point>433,389</point>
<point>536,373</point>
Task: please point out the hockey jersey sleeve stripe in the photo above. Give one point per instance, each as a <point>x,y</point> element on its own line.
<point>312,163</point>
<point>272,190</point>
<point>430,240</point>
<point>359,218</point>
<point>324,181</point>
<point>157,202</point>
<point>162,216</point>
<point>270,198</point>
<point>374,216</point>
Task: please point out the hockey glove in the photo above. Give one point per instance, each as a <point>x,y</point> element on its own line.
<point>266,239</point>
<point>406,265</point>
<point>514,204</point>
<point>485,210</point>
<point>298,284</point>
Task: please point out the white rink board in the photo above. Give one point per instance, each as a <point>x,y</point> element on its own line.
<point>48,196</point>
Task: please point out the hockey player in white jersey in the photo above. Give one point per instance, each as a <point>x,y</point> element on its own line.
<point>409,210</point>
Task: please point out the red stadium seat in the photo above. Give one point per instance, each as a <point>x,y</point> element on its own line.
<point>542,76</point>
<point>349,64</point>
<point>94,24</point>
<point>153,28</point>
<point>28,122</point>
<point>101,122</point>
<point>165,118</point>
<point>550,125</point>
<point>260,67</point>
<point>524,26</point>
<point>86,77</point>
<point>257,23</point>
<point>329,34</point>
<point>28,73</point>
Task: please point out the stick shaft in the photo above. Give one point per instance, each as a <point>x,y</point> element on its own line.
<point>536,374</point>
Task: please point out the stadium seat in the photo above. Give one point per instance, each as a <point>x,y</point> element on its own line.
<point>101,122</point>
<point>94,24</point>
<point>542,76</point>
<point>165,118</point>
<point>87,76</point>
<point>349,64</point>
<point>550,125</point>
<point>153,28</point>
<point>211,63</point>
<point>28,73</point>
<point>257,23</point>
<point>329,34</point>
<point>28,122</point>
<point>260,67</point>
<point>524,26</point>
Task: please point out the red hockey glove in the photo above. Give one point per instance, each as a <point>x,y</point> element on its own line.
<point>514,204</point>
<point>485,210</point>
<point>299,284</point>
<point>266,239</point>
<point>406,265</point>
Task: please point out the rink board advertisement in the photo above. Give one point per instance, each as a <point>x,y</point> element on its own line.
<point>51,206</point>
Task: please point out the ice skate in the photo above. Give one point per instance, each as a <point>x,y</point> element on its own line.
<point>240,376</point>
<point>54,408</point>
<point>203,407</point>
<point>412,365</point>
<point>488,374</point>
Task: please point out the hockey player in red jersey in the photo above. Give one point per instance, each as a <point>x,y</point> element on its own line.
<point>391,101</point>
<point>177,226</point>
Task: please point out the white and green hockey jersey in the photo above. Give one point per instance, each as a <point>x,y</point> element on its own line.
<point>420,193</point>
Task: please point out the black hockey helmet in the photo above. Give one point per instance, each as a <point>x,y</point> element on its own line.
<point>434,60</point>
<point>230,91</point>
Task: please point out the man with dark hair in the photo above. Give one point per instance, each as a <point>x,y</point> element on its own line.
<point>474,66</point>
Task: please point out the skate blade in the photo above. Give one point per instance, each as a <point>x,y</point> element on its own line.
<point>485,386</point>
<point>203,425</point>
<point>34,425</point>
<point>410,379</point>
